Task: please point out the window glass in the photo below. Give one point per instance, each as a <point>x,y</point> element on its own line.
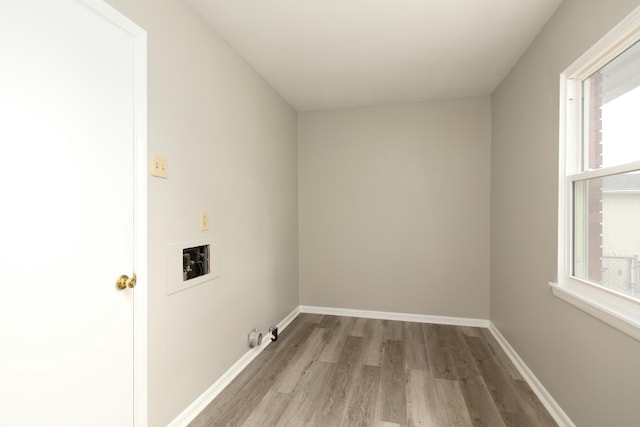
<point>606,231</point>
<point>611,112</point>
<point>599,187</point>
<point>606,209</point>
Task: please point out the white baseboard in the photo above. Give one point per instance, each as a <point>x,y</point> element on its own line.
<point>198,405</point>
<point>545,397</point>
<point>385,315</point>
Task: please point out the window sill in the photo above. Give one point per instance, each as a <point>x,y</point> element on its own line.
<point>622,314</point>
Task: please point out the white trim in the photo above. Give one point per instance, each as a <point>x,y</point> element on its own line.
<point>108,12</point>
<point>140,300</point>
<point>610,170</point>
<point>195,408</point>
<point>608,47</point>
<point>405,317</point>
<point>545,397</point>
<point>541,392</point>
<point>615,309</point>
<point>198,405</point>
<point>287,320</point>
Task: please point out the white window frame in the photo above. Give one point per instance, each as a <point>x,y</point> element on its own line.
<point>617,310</point>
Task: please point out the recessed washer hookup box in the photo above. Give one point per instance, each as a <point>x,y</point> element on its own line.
<point>190,264</point>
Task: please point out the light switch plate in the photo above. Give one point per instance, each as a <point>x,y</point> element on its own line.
<point>159,166</point>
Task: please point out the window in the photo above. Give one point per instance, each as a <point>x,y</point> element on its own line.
<point>599,187</point>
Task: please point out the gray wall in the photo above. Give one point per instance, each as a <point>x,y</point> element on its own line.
<point>231,141</point>
<point>591,369</point>
<point>394,208</point>
<point>394,212</point>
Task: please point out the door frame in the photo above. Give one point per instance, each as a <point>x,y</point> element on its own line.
<point>140,265</point>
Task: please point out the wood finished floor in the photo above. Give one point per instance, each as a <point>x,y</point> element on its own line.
<point>344,371</point>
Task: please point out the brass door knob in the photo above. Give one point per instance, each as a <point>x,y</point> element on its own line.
<point>125,282</point>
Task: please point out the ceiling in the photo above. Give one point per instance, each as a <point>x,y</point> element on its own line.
<point>328,54</point>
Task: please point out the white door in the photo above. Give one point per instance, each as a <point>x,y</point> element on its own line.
<point>66,216</point>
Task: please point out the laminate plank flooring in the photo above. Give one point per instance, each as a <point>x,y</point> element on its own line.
<point>341,371</point>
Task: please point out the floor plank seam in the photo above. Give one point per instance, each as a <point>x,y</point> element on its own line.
<point>321,373</point>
